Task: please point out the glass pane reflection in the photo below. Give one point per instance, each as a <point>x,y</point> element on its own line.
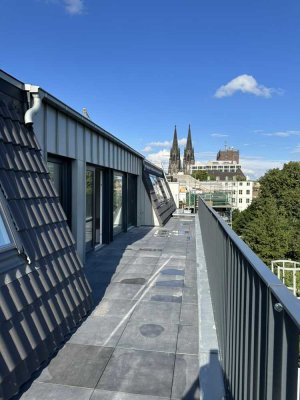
<point>117,202</point>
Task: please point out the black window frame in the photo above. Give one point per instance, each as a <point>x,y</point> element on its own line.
<point>65,195</point>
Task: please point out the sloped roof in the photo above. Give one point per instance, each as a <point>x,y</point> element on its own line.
<point>41,304</point>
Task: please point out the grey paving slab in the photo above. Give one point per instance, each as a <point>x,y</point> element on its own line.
<point>123,276</point>
<point>211,376</point>
<point>189,314</point>
<point>140,372</point>
<point>113,308</point>
<point>161,293</point>
<point>175,283</point>
<point>149,336</point>
<point>49,391</point>
<point>190,295</point>
<point>146,260</point>
<point>157,312</point>
<point>186,378</point>
<point>99,331</point>
<point>77,365</point>
<point>120,291</point>
<point>172,271</point>
<point>108,395</point>
<point>188,337</point>
<point>136,268</point>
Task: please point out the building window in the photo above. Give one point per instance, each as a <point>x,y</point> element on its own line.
<point>241,183</point>
<point>247,201</point>
<point>247,191</point>
<point>248,183</point>
<point>4,236</point>
<point>240,200</point>
<point>233,200</point>
<point>233,192</point>
<point>60,174</point>
<point>240,192</point>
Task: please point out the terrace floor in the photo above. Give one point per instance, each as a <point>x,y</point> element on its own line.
<point>141,341</point>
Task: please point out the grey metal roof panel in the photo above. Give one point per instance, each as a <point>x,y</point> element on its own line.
<point>38,309</point>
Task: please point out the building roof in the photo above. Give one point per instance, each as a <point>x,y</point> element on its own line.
<point>44,293</point>
<point>229,174</point>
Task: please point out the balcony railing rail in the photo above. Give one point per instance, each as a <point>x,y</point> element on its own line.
<point>257,317</point>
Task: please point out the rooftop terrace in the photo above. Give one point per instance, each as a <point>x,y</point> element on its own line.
<point>142,339</point>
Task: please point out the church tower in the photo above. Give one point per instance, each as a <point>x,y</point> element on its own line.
<point>188,157</point>
<point>174,161</point>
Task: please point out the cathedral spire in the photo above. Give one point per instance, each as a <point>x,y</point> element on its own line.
<point>189,139</point>
<point>189,157</point>
<point>174,161</point>
<point>175,140</point>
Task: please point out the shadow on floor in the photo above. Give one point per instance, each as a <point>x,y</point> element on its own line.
<point>101,265</point>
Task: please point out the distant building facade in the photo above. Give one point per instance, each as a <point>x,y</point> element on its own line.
<point>229,154</point>
<point>220,170</point>
<point>240,194</point>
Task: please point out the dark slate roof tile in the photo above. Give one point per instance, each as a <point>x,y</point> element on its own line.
<point>38,309</point>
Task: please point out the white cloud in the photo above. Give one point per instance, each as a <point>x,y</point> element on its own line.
<point>146,149</point>
<point>218,135</point>
<point>283,133</point>
<point>74,7</point>
<point>182,142</point>
<point>245,84</point>
<point>167,143</point>
<point>255,167</point>
<point>160,158</point>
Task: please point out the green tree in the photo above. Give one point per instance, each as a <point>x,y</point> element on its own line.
<point>271,224</point>
<point>200,175</point>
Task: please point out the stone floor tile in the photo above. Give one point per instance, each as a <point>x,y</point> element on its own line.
<point>157,312</point>
<point>113,308</point>
<point>188,338</point>
<point>189,314</point>
<point>148,336</point>
<point>99,331</point>
<point>108,395</point>
<point>120,291</point>
<point>165,294</point>
<point>190,295</point>
<point>140,372</point>
<point>77,365</point>
<point>146,260</point>
<point>49,391</point>
<point>139,268</point>
<point>186,378</point>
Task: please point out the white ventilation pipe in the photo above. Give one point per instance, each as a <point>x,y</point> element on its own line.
<point>37,102</point>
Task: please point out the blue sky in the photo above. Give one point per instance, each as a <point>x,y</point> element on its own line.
<point>229,68</point>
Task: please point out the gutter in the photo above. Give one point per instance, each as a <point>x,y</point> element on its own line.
<point>32,91</point>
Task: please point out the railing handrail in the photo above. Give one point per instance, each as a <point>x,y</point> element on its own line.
<point>284,296</point>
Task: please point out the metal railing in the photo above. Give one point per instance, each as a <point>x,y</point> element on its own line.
<point>289,273</point>
<point>257,317</point>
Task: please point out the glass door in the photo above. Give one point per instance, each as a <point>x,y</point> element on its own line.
<point>90,208</point>
<point>93,219</point>
<point>117,203</point>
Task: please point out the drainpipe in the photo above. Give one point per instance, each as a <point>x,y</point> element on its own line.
<point>37,102</point>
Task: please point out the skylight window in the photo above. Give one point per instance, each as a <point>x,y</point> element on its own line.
<point>4,237</point>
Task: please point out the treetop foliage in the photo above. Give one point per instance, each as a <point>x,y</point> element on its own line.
<point>271,224</point>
